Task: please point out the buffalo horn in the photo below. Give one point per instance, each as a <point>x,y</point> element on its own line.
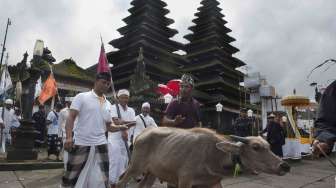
<point>239,139</point>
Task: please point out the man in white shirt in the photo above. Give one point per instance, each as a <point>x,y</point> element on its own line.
<point>143,121</point>
<point>88,163</point>
<point>54,142</point>
<point>118,142</point>
<point>9,120</point>
<point>63,115</point>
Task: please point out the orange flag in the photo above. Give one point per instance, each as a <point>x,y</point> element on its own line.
<point>49,89</point>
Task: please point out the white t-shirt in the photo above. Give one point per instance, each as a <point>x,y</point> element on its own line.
<point>90,125</point>
<point>63,115</point>
<point>53,127</point>
<point>126,115</point>
<point>10,119</point>
<point>140,126</point>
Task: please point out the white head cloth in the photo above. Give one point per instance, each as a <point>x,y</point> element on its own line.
<point>145,104</point>
<point>123,92</point>
<point>9,101</point>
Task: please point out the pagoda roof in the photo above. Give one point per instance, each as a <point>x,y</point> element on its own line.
<point>132,50</point>
<point>164,31</point>
<point>210,2</point>
<point>213,24</point>
<point>209,11</point>
<point>201,95</point>
<point>151,66</point>
<point>148,7</point>
<point>211,34</point>
<point>216,81</point>
<point>149,36</point>
<point>214,65</point>
<point>207,17</point>
<point>157,3</point>
<point>160,21</point>
<point>225,101</point>
<point>120,56</point>
<point>216,52</point>
<point>208,29</point>
<point>194,48</point>
<point>209,41</point>
<point>219,88</point>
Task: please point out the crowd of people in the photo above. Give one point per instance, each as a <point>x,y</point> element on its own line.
<point>96,137</point>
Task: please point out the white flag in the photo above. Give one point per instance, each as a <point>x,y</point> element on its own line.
<point>6,81</point>
<point>38,88</point>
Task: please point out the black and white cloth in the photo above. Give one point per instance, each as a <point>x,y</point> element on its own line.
<point>54,142</point>
<point>81,164</point>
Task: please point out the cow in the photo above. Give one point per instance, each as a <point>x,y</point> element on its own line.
<point>197,157</point>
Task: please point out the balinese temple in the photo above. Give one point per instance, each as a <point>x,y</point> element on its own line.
<point>146,28</point>
<point>146,54</point>
<point>145,47</point>
<point>210,59</point>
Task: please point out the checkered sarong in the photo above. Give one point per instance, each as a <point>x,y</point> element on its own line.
<point>77,160</point>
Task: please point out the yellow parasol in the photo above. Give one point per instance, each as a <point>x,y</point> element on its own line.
<point>295,100</point>
<point>290,103</point>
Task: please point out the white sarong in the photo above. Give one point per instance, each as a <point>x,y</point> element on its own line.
<point>117,156</point>
<point>91,175</point>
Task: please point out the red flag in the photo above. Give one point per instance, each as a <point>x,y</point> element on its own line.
<point>174,85</point>
<point>163,89</point>
<point>103,65</point>
<point>49,89</point>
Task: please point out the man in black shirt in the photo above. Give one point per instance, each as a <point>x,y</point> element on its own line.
<point>243,125</point>
<point>325,124</point>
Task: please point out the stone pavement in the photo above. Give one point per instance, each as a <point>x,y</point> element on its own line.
<point>304,174</point>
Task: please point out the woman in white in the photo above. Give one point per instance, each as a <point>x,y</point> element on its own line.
<point>118,141</point>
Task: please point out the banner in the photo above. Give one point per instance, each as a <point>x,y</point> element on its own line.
<point>49,89</point>
<point>102,63</point>
<point>6,81</point>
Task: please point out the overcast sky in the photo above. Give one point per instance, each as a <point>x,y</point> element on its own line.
<point>282,39</point>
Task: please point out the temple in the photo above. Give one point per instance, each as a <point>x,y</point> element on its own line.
<point>146,56</point>
<point>146,28</point>
<point>210,59</point>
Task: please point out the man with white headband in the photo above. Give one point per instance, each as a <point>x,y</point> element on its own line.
<point>143,121</point>
<point>118,142</point>
<point>8,120</point>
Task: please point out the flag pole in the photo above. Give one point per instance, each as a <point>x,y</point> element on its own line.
<point>116,100</point>
<point>4,44</point>
<point>52,103</point>
<point>112,83</point>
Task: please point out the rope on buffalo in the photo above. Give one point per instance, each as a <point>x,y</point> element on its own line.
<point>326,156</point>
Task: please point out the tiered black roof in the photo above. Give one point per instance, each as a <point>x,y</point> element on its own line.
<point>147,28</point>
<point>209,54</point>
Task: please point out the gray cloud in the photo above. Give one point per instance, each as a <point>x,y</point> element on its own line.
<point>282,39</point>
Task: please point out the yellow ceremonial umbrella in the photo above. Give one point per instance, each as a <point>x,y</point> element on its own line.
<point>290,103</point>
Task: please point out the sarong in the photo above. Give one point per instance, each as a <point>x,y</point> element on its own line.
<point>82,164</point>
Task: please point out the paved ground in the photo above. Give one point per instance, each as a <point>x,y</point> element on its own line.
<point>304,174</point>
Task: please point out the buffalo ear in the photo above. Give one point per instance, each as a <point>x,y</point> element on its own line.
<point>229,147</point>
